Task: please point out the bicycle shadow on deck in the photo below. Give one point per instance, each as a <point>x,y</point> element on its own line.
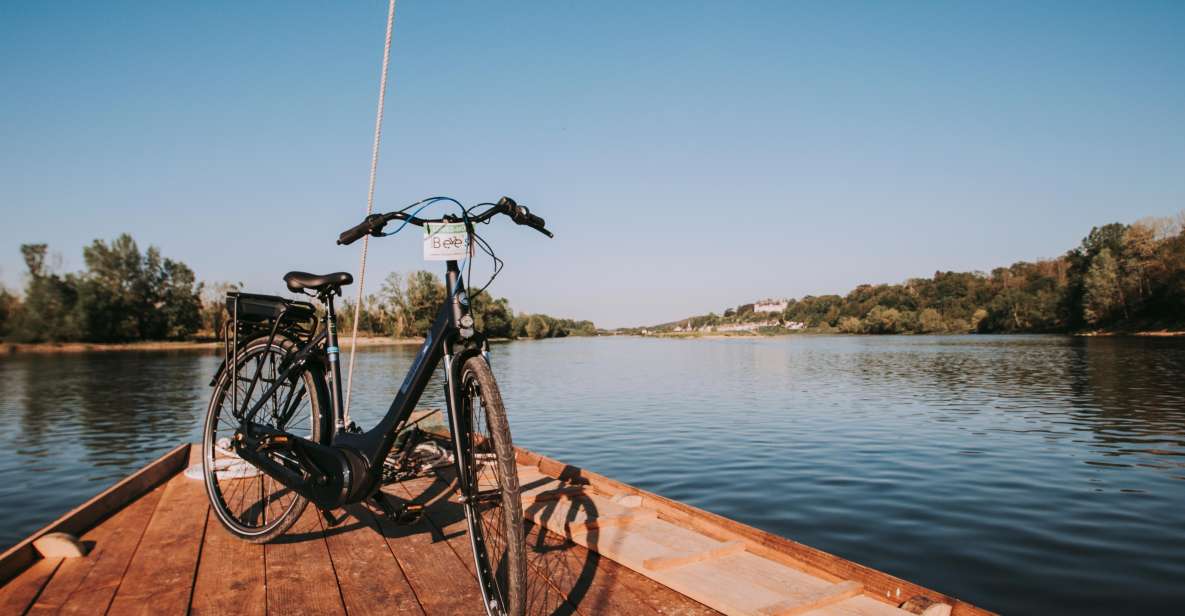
<point>577,570</point>
<point>560,574</point>
<point>562,577</point>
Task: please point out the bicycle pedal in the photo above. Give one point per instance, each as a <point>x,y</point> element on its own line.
<point>408,514</point>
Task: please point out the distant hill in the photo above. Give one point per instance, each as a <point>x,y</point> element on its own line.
<point>1120,278</point>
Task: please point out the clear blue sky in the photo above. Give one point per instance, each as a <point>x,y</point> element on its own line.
<point>689,156</point>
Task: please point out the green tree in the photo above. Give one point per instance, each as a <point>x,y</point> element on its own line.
<point>126,295</point>
<point>881,320</point>
<point>179,300</point>
<point>9,307</point>
<point>122,295</point>
<point>425,293</point>
<point>537,327</point>
<point>1139,252</point>
<point>373,318</point>
<point>410,306</point>
<point>393,300</point>
<point>48,311</point>
<point>213,310</point>
<point>850,325</point>
<point>977,317</point>
<point>930,321</point>
<point>492,317</point>
<point>1103,295</point>
<point>519,326</point>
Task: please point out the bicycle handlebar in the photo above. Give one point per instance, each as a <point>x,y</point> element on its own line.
<point>374,223</point>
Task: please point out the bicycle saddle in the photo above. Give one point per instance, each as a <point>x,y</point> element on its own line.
<point>297,281</point>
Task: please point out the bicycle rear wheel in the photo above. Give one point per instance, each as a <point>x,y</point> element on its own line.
<point>251,505</point>
<point>495,511</point>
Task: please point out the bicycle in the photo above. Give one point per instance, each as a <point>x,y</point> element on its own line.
<point>269,446</point>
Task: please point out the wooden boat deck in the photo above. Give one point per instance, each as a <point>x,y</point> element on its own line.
<point>595,547</point>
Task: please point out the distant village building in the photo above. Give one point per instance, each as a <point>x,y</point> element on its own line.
<point>740,327</point>
<point>770,305</point>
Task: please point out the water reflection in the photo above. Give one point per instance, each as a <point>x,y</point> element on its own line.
<point>110,410</point>
<point>1028,474</point>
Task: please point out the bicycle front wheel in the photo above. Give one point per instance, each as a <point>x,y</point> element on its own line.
<point>494,511</point>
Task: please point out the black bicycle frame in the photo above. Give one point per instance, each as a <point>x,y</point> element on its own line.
<point>445,340</point>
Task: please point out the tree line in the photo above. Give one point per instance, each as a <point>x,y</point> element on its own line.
<point>122,295</point>
<point>126,295</point>
<point>406,305</point>
<point>1121,277</point>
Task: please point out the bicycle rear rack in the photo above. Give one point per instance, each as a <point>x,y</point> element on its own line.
<point>254,316</point>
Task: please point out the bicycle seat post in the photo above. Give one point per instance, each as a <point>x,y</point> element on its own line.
<point>333,353</point>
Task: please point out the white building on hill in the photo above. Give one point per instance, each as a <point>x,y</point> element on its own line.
<point>770,305</point>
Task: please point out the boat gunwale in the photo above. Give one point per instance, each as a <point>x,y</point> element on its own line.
<point>96,509</point>
<point>884,587</point>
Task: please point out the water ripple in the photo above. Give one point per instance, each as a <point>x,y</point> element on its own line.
<point>1031,475</point>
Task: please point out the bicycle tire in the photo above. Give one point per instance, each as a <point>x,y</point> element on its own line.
<point>495,532</point>
<point>215,456</point>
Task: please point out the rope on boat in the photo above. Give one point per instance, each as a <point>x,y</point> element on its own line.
<point>374,164</point>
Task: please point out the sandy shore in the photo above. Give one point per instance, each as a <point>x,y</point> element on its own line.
<point>86,347</point>
<point>1163,333</point>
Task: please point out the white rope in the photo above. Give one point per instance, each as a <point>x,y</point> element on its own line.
<point>374,165</point>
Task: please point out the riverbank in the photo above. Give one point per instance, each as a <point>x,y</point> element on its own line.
<point>1163,333</point>
<point>1159,333</point>
<point>7,348</point>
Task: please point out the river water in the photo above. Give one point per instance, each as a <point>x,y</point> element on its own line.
<point>1026,474</point>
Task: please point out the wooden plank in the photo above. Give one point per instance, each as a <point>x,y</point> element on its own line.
<point>440,580</point>
<point>300,578</point>
<point>444,516</point>
<point>552,494</point>
<point>591,524</point>
<point>657,596</point>
<point>631,544</point>
<point>744,584</point>
<point>230,576</point>
<point>435,552</point>
<point>661,563</point>
<point>19,593</point>
<point>597,585</point>
<point>447,518</point>
<point>740,584</point>
<point>882,586</point>
<point>80,519</point>
<point>544,596</point>
<point>828,596</point>
<point>368,574</point>
<point>159,579</point>
<point>86,585</point>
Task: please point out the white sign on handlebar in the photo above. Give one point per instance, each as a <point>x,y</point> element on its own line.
<point>446,241</point>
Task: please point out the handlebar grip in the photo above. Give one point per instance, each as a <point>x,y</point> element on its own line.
<point>355,233</point>
<point>523,216</point>
<point>531,220</point>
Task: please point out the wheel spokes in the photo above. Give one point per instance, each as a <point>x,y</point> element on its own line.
<point>249,497</point>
